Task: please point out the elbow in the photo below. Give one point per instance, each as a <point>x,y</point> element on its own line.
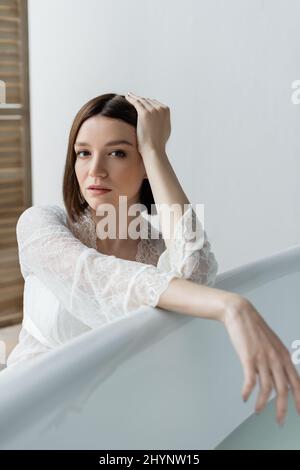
<point>204,273</point>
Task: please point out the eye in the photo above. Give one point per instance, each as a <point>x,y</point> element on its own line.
<point>82,151</point>
<point>114,151</point>
<point>120,151</point>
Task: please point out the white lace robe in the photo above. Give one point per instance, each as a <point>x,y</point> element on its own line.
<point>70,287</point>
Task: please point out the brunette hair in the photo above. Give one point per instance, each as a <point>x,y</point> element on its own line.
<point>109,105</point>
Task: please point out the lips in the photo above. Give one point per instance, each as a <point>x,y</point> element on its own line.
<point>93,186</point>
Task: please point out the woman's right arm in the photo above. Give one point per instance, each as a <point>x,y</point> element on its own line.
<point>260,350</point>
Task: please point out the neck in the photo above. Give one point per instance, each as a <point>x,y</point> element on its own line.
<point>118,236</point>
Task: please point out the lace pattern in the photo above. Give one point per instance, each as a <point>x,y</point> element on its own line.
<point>70,287</point>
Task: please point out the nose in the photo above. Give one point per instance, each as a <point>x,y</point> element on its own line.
<point>97,168</point>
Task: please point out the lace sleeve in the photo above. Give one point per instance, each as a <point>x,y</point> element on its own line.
<point>189,254</point>
<point>94,287</point>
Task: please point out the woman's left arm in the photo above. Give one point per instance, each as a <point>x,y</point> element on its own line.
<point>167,192</point>
<point>188,253</point>
<point>153,131</point>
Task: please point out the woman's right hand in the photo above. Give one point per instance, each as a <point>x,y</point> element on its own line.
<point>262,354</point>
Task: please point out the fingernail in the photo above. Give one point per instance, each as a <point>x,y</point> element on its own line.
<point>280,421</point>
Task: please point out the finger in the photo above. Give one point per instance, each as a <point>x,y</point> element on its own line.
<point>145,103</point>
<point>282,389</point>
<point>155,104</point>
<point>289,368</point>
<point>138,100</point>
<point>273,337</point>
<point>158,103</point>
<point>266,386</point>
<point>294,381</point>
<point>249,379</point>
<point>135,102</point>
<point>291,373</point>
<point>150,101</point>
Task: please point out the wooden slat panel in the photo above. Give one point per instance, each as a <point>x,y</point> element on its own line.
<point>9,256</point>
<point>8,19</point>
<point>10,8</point>
<point>6,139</point>
<point>11,318</point>
<point>10,292</point>
<point>10,49</point>
<point>13,275</point>
<point>15,162</point>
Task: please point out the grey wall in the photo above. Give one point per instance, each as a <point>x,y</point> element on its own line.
<point>225,68</point>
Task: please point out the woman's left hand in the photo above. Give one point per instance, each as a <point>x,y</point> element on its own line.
<point>153,126</point>
<point>263,356</point>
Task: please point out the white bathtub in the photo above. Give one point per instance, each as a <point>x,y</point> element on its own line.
<point>156,380</point>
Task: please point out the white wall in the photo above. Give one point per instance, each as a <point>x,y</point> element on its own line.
<point>225,68</point>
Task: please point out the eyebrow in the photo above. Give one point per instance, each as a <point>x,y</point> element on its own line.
<point>112,142</point>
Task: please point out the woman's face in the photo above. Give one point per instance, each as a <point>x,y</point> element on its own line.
<point>118,166</point>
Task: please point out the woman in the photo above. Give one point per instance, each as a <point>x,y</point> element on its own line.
<point>117,143</point>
